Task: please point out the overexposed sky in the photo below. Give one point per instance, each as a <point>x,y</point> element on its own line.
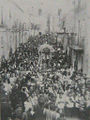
<point>47,5</point>
<point>30,7</point>
<point>27,10</point>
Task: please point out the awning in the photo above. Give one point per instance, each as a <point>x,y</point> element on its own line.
<point>76,48</point>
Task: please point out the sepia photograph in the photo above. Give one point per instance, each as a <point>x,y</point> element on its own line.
<point>44,59</point>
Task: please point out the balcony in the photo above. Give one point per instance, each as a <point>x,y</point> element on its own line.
<point>76,48</point>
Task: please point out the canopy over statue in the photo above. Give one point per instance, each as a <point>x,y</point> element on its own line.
<point>45,47</point>
<point>45,52</point>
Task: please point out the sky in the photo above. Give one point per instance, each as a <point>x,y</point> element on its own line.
<point>47,5</point>
<point>26,11</point>
<point>30,7</point>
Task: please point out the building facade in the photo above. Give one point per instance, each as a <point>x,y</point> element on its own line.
<point>76,23</point>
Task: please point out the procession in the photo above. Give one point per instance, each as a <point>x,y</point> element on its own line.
<point>36,90</point>
<point>44,68</point>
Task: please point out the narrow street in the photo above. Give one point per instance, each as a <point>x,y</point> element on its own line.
<point>42,81</point>
<point>44,60</point>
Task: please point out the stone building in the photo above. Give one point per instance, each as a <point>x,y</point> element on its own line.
<point>76,23</point>
<point>3,41</point>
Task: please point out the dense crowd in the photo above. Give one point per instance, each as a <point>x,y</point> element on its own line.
<point>28,94</point>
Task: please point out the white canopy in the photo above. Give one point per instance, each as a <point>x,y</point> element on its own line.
<point>42,47</point>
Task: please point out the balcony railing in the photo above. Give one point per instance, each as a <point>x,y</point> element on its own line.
<point>76,48</point>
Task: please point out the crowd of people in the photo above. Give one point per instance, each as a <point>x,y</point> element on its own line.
<point>29,94</point>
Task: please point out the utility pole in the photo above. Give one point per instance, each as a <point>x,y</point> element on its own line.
<point>48,23</point>
<point>74,16</point>
<point>53,23</point>
<point>19,33</point>
<point>79,6</point>
<point>10,41</point>
<point>2,42</point>
<point>2,15</point>
<point>79,32</point>
<point>59,17</point>
<point>16,39</point>
<point>2,46</point>
<point>22,32</point>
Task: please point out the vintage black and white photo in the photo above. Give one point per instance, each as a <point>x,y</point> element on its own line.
<point>44,60</point>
